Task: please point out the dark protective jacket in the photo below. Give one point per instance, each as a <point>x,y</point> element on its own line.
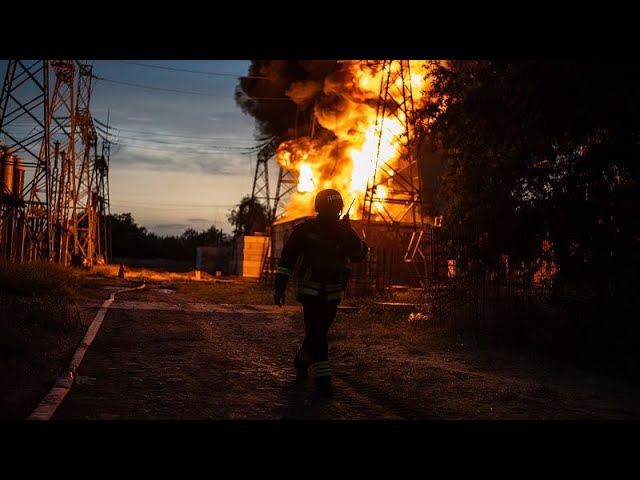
<point>325,247</point>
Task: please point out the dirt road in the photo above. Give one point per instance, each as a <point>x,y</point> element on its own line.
<point>158,356</point>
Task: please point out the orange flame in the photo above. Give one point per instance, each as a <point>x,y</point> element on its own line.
<point>350,162</point>
<point>306,182</point>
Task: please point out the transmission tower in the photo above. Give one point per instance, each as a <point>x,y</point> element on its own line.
<point>393,197</point>
<point>46,125</point>
<point>64,193</point>
<point>86,228</point>
<point>260,190</point>
<point>101,173</point>
<point>286,184</point>
<point>287,181</point>
<point>25,131</point>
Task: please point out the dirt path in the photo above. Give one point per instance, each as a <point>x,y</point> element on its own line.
<point>158,357</point>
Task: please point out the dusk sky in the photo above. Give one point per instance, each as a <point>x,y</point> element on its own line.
<point>181,159</point>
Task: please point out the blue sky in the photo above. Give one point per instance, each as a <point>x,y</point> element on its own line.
<point>181,159</point>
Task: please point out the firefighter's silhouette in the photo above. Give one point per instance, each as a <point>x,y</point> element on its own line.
<point>326,243</point>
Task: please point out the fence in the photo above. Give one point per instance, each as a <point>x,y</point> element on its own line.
<point>495,302</point>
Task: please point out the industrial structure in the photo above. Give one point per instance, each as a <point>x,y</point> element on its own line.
<point>400,208</point>
<point>392,217</point>
<point>54,200</point>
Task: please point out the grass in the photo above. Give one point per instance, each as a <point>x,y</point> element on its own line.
<point>147,274</point>
<point>238,292</point>
<point>40,325</point>
<point>37,278</point>
<point>37,295</point>
<point>187,288</point>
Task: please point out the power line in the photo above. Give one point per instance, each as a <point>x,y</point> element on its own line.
<point>188,92</point>
<point>204,142</point>
<point>173,205</point>
<point>181,148</point>
<point>172,90</point>
<point>164,67</point>
<point>102,124</point>
<point>191,137</point>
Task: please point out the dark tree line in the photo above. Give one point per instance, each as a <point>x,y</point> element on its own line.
<point>248,217</point>
<point>131,240</point>
<point>541,150</point>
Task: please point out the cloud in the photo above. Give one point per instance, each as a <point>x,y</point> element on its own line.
<point>164,226</point>
<point>198,220</point>
<point>140,119</point>
<point>169,229</point>
<point>190,159</point>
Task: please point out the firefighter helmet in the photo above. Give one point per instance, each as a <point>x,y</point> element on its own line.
<point>329,201</point>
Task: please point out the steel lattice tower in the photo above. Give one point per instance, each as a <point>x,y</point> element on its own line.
<point>46,124</point>
<point>260,190</point>
<point>25,131</point>
<point>102,175</point>
<point>287,181</point>
<point>399,207</point>
<point>63,176</point>
<point>86,233</point>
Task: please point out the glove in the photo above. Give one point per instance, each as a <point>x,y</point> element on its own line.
<point>278,297</point>
<point>345,220</point>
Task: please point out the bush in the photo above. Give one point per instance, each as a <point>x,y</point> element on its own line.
<point>36,278</point>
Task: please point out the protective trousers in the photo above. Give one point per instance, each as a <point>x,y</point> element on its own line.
<point>314,351</point>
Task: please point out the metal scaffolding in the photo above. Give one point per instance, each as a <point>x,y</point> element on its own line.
<point>287,181</point>
<point>26,135</point>
<point>393,196</point>
<point>46,126</point>
<point>86,227</point>
<point>260,190</point>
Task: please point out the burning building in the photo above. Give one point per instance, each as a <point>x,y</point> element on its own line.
<point>348,125</point>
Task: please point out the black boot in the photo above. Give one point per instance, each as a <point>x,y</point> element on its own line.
<point>301,369</point>
<point>301,363</point>
<point>323,386</point>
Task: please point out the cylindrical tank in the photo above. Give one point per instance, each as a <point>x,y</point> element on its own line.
<point>1,171</point>
<point>7,173</point>
<point>18,177</point>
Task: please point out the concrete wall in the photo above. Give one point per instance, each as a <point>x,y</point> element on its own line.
<point>249,254</point>
<point>213,259</point>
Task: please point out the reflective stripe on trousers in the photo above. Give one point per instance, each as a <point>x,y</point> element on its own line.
<point>321,369</point>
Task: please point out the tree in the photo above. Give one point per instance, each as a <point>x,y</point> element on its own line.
<point>130,240</point>
<point>544,150</point>
<point>248,217</point>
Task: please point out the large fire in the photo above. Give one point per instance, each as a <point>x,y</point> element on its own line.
<point>359,156</point>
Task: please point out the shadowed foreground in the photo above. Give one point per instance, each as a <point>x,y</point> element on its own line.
<point>160,356</point>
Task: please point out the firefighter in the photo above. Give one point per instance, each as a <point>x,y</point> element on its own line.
<point>325,243</point>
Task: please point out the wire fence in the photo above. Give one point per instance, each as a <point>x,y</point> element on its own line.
<point>495,303</point>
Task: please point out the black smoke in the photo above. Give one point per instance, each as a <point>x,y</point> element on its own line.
<point>282,99</point>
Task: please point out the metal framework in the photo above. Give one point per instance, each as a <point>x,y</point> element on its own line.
<point>393,195</point>
<point>287,181</point>
<point>25,133</point>
<point>64,192</point>
<point>286,184</point>
<point>260,190</point>
<point>46,126</point>
<point>86,240</point>
<point>101,171</point>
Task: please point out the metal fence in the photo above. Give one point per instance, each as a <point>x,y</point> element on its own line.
<point>495,303</point>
